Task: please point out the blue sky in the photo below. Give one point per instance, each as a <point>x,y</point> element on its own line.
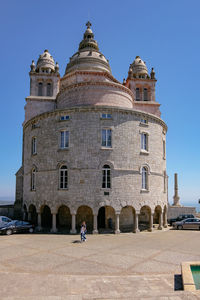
<point>165,34</point>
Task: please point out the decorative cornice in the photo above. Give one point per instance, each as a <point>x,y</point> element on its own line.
<point>40,98</point>
<point>137,113</point>
<point>98,73</point>
<point>96,83</point>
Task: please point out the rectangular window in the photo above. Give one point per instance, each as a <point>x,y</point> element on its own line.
<point>137,94</point>
<point>106,116</point>
<point>145,94</point>
<point>34,145</point>
<point>106,138</point>
<point>144,145</point>
<point>64,139</point>
<point>63,118</point>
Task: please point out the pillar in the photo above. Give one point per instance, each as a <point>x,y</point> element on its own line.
<point>95,230</point>
<point>165,219</point>
<point>73,230</point>
<point>176,196</point>
<point>117,224</point>
<point>54,229</point>
<point>39,227</point>
<point>136,223</point>
<point>24,215</point>
<point>29,216</point>
<point>160,227</point>
<point>151,222</point>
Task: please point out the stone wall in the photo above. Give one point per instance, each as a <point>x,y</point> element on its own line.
<point>175,211</point>
<point>85,158</point>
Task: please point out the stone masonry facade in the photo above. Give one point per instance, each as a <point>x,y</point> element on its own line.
<point>93,148</point>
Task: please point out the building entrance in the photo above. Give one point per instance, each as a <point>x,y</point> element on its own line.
<point>102,218</point>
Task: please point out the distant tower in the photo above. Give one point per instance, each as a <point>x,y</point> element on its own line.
<point>143,87</point>
<point>44,85</point>
<point>176,196</point>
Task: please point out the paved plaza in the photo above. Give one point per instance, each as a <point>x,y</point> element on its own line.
<point>106,266</point>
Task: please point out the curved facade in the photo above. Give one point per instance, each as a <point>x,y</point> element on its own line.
<point>93,148</point>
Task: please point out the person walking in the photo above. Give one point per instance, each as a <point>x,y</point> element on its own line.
<point>83,231</point>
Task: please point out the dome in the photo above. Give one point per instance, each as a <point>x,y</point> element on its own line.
<point>88,57</point>
<point>45,61</point>
<point>139,67</point>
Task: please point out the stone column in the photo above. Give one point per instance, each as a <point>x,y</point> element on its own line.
<point>39,227</point>
<point>165,219</point>
<point>54,229</point>
<point>24,215</point>
<point>136,222</point>
<point>151,222</point>
<point>73,230</point>
<point>29,216</point>
<point>95,230</point>
<point>160,227</point>
<point>176,196</point>
<point>117,223</point>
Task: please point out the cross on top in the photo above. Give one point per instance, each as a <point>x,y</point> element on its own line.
<point>88,24</point>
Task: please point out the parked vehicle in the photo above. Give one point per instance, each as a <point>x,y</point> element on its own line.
<point>191,223</point>
<point>4,220</point>
<point>16,226</point>
<point>180,218</point>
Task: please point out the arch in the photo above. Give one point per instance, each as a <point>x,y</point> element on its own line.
<point>126,219</point>
<point>156,215</point>
<point>106,219</point>
<point>64,219</point>
<point>46,217</point>
<point>144,178</point>
<point>33,178</point>
<point>145,166</point>
<point>40,89</point>
<point>145,218</point>
<point>49,89</point>
<point>33,214</point>
<point>84,213</point>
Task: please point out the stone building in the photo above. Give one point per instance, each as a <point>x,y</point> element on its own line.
<point>93,148</point>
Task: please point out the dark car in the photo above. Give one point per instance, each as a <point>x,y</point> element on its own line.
<point>180,218</point>
<point>16,226</point>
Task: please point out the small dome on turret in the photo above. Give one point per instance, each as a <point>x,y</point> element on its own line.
<point>88,56</point>
<point>45,62</point>
<point>139,67</point>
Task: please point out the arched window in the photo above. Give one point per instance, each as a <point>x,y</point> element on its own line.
<point>137,94</point>
<point>106,180</point>
<point>49,89</point>
<point>63,177</point>
<point>145,94</point>
<point>33,179</point>
<point>40,89</point>
<point>144,178</point>
<point>34,145</point>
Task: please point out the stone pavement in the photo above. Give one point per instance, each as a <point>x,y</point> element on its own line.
<point>125,266</point>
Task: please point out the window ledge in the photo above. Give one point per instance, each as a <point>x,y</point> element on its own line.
<point>106,148</point>
<point>106,119</point>
<point>34,154</point>
<point>144,152</point>
<point>144,191</point>
<point>143,124</point>
<point>63,120</point>
<point>32,190</point>
<point>63,189</point>
<point>63,149</point>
